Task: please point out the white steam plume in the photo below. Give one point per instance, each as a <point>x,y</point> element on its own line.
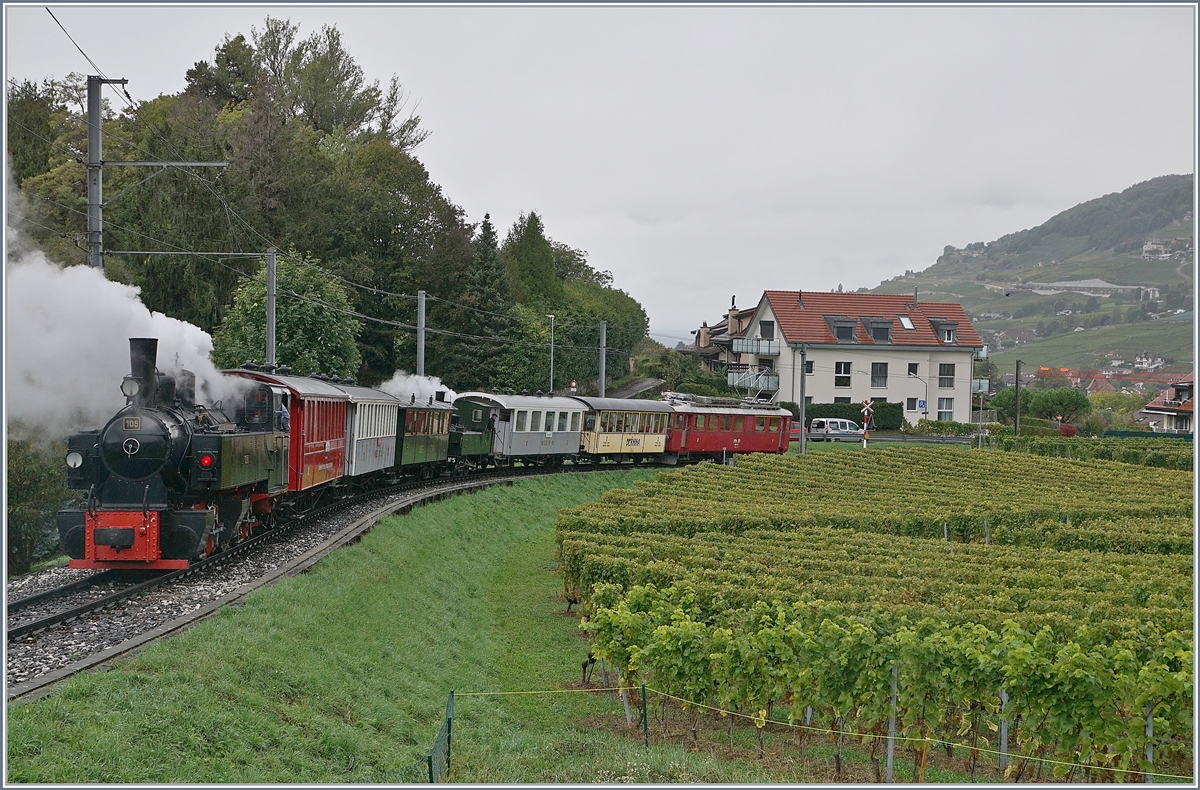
<point>404,385</point>
<point>66,340</point>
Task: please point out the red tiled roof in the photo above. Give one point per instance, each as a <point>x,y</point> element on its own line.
<point>808,325</point>
<point>1160,401</point>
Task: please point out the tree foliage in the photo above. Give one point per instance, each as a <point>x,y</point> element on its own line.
<point>1065,404</point>
<point>36,491</point>
<point>321,161</point>
<point>312,332</point>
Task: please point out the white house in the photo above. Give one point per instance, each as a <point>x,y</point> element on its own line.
<point>860,346</point>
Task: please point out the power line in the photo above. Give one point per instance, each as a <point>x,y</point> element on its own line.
<point>81,52</point>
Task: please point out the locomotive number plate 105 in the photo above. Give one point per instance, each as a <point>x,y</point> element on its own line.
<point>132,423</point>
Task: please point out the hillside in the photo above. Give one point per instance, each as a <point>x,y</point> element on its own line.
<point>1077,290</point>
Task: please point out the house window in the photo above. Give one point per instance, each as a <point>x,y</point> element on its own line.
<point>845,333</point>
<point>808,366</point>
<point>879,374</point>
<point>945,408</point>
<point>912,369</point>
<point>946,376</point>
<point>910,404</point>
<point>766,329</point>
<point>841,374</point>
<point>841,400</point>
<point>808,400</point>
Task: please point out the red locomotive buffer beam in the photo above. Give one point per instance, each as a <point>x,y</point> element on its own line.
<point>117,539</point>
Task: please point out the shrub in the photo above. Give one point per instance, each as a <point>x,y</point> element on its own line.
<point>1067,429</point>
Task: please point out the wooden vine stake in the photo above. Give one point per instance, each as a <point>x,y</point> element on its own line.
<point>891,743</point>
<point>1149,741</point>
<point>1003,730</point>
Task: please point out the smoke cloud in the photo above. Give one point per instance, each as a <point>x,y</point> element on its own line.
<point>66,338</point>
<point>404,385</point>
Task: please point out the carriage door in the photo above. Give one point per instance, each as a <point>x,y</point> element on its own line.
<point>280,439</point>
<point>681,420</point>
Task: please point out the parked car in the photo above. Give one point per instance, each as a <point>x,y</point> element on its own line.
<point>829,429</point>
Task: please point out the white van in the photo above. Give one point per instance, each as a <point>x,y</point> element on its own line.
<point>830,429</point>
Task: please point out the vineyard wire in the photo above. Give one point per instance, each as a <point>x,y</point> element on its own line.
<point>822,730</point>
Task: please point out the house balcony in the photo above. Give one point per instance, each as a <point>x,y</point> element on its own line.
<point>761,380</point>
<point>763,348</point>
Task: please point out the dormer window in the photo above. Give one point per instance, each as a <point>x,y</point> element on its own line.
<point>879,329</point>
<point>945,330</point>
<point>842,327</point>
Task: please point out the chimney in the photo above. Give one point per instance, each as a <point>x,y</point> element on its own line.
<point>914,298</point>
<point>800,299</point>
<point>702,337</point>
<point>143,355</point>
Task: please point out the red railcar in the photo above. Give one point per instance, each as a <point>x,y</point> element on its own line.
<point>717,428</point>
<point>317,413</point>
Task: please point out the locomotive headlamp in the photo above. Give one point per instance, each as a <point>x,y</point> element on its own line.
<point>130,387</point>
<point>206,461</point>
<point>74,459</point>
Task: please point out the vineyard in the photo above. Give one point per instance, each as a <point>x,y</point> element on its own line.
<point>1162,453</point>
<point>946,587</point>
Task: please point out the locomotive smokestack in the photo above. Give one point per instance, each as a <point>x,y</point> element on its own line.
<point>143,357</point>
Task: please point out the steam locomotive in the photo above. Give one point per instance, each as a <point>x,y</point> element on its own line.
<point>168,479</point>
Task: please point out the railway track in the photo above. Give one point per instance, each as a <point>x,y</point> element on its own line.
<point>107,626</point>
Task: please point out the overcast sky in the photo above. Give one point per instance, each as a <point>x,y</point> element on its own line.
<point>702,152</point>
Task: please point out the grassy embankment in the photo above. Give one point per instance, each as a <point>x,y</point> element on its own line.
<point>341,674</point>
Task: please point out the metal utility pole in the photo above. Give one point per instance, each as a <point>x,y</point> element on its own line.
<point>551,352</point>
<point>270,308</point>
<point>420,333</point>
<point>803,377</point>
<point>1017,424</point>
<point>603,351</point>
<point>95,169</point>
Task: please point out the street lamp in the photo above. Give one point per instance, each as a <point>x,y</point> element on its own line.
<point>912,375</point>
<point>551,352</point>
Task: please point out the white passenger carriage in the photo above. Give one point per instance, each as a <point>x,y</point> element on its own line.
<point>371,417</point>
<point>531,428</point>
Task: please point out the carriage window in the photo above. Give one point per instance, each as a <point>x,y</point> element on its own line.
<point>678,422</point>
<point>699,422</point>
<point>535,420</point>
<point>549,421</point>
<point>774,425</point>
<point>574,421</point>
<point>520,421</point>
<point>760,423</point>
<point>739,423</point>
<point>631,422</point>
<point>408,421</point>
<point>562,421</point>
<point>619,426</point>
<point>726,422</point>
<point>477,415</point>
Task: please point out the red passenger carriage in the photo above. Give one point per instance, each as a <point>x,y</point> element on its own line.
<point>716,428</point>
